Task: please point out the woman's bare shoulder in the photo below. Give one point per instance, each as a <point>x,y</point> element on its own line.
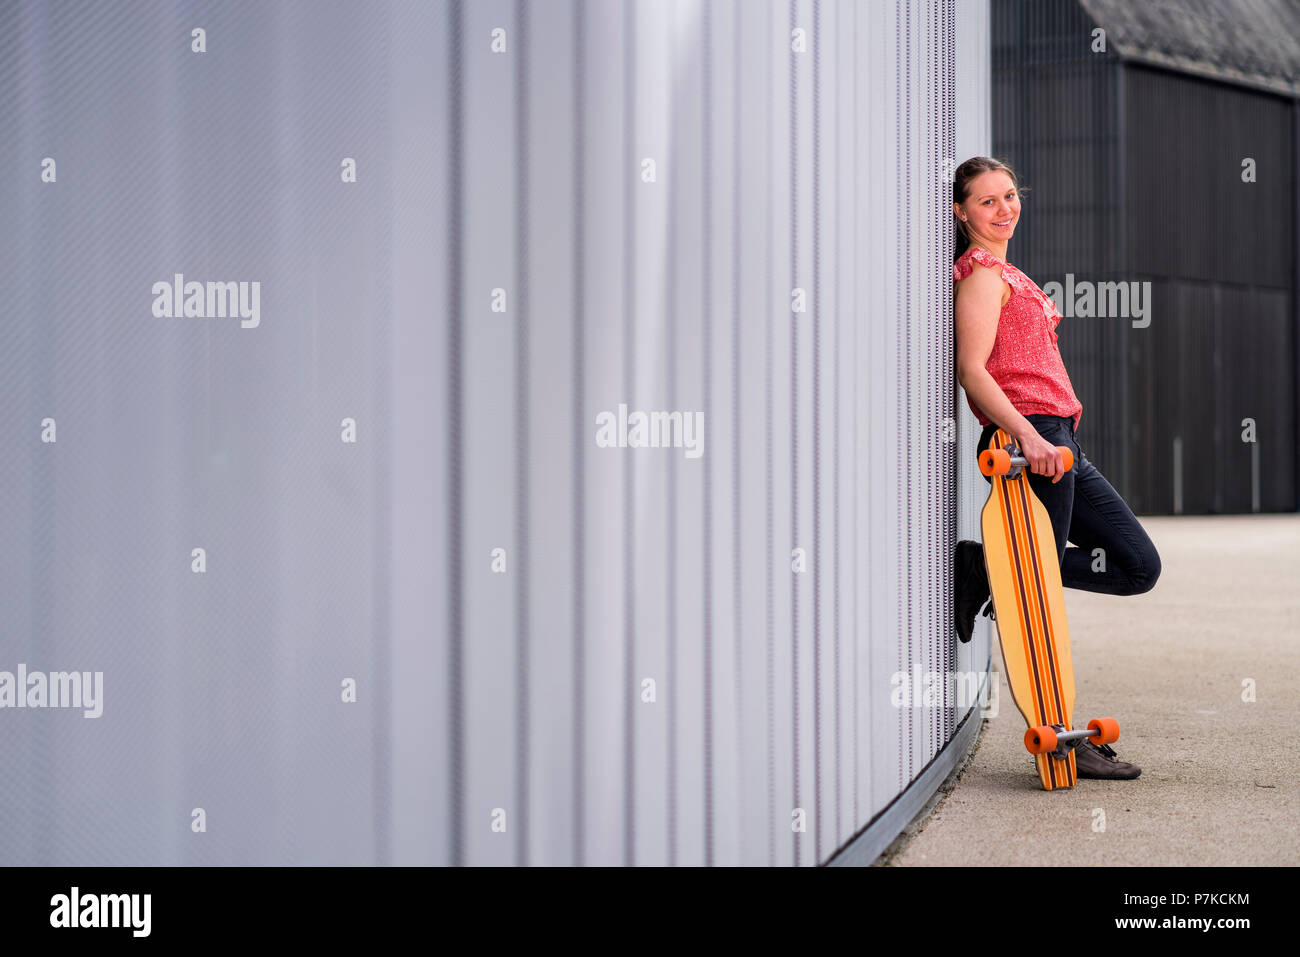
<point>964,268</point>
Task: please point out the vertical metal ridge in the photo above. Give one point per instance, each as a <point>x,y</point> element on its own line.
<point>670,488</point>
<point>816,434</point>
<point>382,549</point>
<point>1123,377</point>
<point>770,503</point>
<point>706,123</point>
<point>1295,302</point>
<point>930,486</point>
<point>838,443</point>
<point>857,484</point>
<point>951,490</point>
<point>579,462</point>
<point>522,444</point>
<point>900,359</point>
<point>629,470</point>
<point>794,415</point>
<point>455,441</point>
<point>737,557</point>
<point>909,366</point>
<point>941,374</point>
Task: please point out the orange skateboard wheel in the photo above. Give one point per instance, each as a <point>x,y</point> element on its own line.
<point>1040,740</point>
<point>1107,730</point>
<point>995,462</point>
<point>1067,456</point>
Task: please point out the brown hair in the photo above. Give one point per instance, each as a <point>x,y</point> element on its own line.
<point>961,179</point>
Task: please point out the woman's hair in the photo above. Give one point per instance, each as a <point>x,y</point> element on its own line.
<point>961,179</point>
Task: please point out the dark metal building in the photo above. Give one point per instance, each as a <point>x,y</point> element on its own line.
<point>1160,143</point>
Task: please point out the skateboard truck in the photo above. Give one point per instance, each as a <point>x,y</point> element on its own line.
<point>1054,741</point>
<point>1010,463</point>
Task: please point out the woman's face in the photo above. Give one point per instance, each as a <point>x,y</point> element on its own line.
<point>992,207</point>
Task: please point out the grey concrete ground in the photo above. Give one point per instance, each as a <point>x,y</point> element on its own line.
<point>1220,780</point>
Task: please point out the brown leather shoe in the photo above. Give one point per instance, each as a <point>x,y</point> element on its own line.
<point>1100,762</point>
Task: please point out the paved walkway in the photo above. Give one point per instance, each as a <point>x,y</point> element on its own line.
<point>1220,780</point>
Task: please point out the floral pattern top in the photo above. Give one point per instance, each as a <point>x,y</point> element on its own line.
<point>1025,361</point>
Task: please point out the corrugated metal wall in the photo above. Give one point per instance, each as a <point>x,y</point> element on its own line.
<point>1218,251</point>
<point>1135,175</point>
<point>974,137</point>
<point>782,276</point>
<point>565,653</point>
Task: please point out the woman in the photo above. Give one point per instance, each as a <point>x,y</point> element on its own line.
<point>1010,366</point>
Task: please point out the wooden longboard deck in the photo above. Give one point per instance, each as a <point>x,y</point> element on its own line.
<point>1029,604</point>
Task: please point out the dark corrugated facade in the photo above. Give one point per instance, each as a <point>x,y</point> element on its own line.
<point>1135,175</point>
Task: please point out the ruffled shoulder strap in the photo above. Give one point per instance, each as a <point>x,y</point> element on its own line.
<point>963,268</point>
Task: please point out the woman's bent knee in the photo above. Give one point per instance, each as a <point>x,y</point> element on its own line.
<point>1147,574</point>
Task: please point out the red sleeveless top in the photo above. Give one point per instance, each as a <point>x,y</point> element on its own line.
<point>1025,361</point>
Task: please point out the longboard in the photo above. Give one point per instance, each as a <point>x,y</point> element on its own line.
<point>1024,575</point>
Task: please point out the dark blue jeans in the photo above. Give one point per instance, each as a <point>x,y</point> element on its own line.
<point>1112,553</point>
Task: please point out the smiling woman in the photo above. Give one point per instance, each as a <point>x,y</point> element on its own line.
<point>1010,365</point>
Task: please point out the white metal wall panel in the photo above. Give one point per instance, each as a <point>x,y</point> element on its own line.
<point>972,98</point>
<point>503,273</point>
